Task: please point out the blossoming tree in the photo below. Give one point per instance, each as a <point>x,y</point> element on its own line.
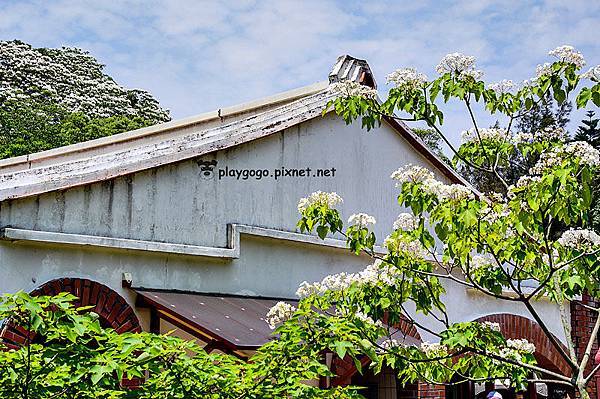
<point>515,247</point>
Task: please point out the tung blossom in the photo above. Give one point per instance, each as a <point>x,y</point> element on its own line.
<point>279,313</point>
<point>485,134</point>
<point>521,345</point>
<point>582,150</point>
<point>411,174</point>
<point>350,88</point>
<point>407,78</point>
<point>361,220</point>
<point>502,87</point>
<point>569,55</point>
<point>592,74</point>
<point>459,65</point>
<point>580,239</point>
<point>319,198</point>
<point>406,221</point>
<point>434,349</point>
<point>447,191</point>
<point>491,326</point>
<point>377,272</point>
<point>368,320</point>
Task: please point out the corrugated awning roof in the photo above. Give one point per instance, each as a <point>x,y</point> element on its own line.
<point>239,321</point>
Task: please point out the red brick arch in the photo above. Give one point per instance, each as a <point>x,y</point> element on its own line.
<point>113,309</point>
<point>514,326</point>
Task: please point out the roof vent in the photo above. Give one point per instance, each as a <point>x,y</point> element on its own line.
<point>349,68</point>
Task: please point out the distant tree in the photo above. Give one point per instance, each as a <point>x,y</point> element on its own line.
<point>55,97</point>
<point>590,131</point>
<point>433,141</point>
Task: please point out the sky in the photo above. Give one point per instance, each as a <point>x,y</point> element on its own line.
<point>195,56</point>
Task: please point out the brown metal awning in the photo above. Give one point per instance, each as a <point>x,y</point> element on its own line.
<point>231,323</point>
<point>238,322</point>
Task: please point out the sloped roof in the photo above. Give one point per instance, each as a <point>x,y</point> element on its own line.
<point>166,143</point>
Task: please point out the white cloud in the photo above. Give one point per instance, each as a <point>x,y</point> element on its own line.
<point>196,56</point>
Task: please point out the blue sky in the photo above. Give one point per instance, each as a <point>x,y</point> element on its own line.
<point>196,56</point>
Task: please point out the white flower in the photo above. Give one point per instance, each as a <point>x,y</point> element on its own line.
<point>434,349</point>
<point>569,55</point>
<point>368,320</point>
<point>579,238</point>
<point>447,192</point>
<point>319,198</point>
<point>361,220</point>
<point>491,325</point>
<point>350,88</point>
<point>587,154</point>
<point>412,174</point>
<point>459,65</point>
<point>592,74</point>
<point>279,313</point>
<point>406,221</point>
<point>407,78</point>
<point>485,134</point>
<point>527,180</point>
<point>521,345</point>
<point>377,272</point>
<point>549,133</point>
<point>544,69</point>
<point>413,248</point>
<point>502,87</point>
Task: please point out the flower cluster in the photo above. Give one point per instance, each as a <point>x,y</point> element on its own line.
<point>582,150</point>
<point>580,239</point>
<point>526,180</point>
<point>73,79</point>
<point>320,198</point>
<point>521,345</point>
<point>491,326</point>
<point>592,74</point>
<point>350,88</point>
<point>361,220</point>
<point>447,191</point>
<point>459,65</point>
<point>372,274</point>
<point>411,174</point>
<point>434,349</point>
<point>368,320</point>
<point>587,154</point>
<point>413,248</point>
<point>549,133</point>
<point>406,221</point>
<point>502,87</point>
<point>569,55</point>
<point>279,313</point>
<point>493,133</point>
<point>544,69</point>
<point>407,78</point>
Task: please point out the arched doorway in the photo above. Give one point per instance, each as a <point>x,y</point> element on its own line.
<point>112,309</point>
<point>514,327</point>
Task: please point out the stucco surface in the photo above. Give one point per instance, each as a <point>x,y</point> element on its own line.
<point>176,204</point>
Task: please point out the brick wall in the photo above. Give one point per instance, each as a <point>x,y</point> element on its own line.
<point>431,391</point>
<point>582,324</point>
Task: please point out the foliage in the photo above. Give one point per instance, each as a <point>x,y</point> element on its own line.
<point>545,114</point>
<point>504,245</point>
<point>589,131</point>
<point>71,355</point>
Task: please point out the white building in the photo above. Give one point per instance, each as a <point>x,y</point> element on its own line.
<point>191,225</point>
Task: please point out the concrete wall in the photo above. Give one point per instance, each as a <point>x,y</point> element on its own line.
<point>175,204</point>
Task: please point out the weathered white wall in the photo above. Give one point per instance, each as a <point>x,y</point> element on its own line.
<point>174,204</point>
